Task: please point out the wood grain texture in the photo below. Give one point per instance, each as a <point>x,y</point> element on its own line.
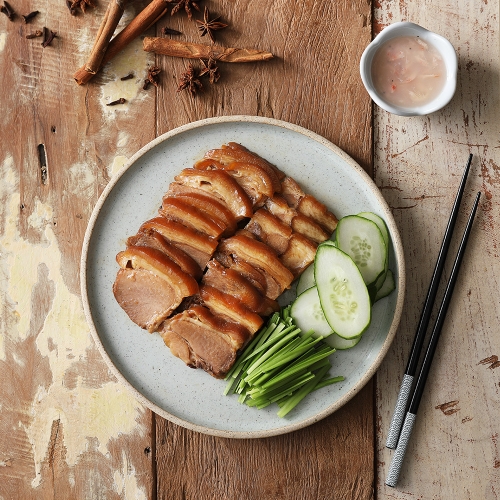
<point>313,81</point>
<point>68,429</point>
<point>453,452</point>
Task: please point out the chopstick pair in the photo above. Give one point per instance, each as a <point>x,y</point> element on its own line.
<point>397,439</point>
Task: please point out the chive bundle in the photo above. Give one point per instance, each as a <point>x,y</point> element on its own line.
<point>281,365</point>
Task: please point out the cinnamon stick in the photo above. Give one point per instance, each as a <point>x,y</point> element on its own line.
<point>189,50</point>
<point>111,19</point>
<point>146,18</point>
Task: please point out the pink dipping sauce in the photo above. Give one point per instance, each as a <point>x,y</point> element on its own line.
<point>408,72</point>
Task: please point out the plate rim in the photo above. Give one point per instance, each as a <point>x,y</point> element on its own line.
<point>397,246</point>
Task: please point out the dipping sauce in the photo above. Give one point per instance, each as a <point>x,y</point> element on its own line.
<point>408,72</point>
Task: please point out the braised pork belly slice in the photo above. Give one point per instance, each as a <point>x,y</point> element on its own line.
<point>197,245</point>
<point>314,209</point>
<point>253,179</point>
<point>215,209</point>
<point>299,254</point>
<point>291,191</point>
<point>234,152</point>
<point>263,258</point>
<point>307,227</point>
<point>270,230</point>
<point>150,286</point>
<point>233,283</point>
<point>212,342</point>
<point>220,185</point>
<point>151,238</point>
<point>181,211</point>
<point>230,307</point>
<point>278,206</point>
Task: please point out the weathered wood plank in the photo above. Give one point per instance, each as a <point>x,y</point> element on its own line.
<point>418,162</point>
<point>313,82</point>
<point>68,428</point>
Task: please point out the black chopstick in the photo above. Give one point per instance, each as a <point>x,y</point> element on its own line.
<point>411,415</point>
<point>411,368</point>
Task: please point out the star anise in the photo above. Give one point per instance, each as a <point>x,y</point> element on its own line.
<point>152,77</point>
<point>190,81</point>
<point>187,4</point>
<point>210,69</point>
<point>82,4</point>
<point>208,26</point>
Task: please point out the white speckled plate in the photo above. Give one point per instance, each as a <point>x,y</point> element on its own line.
<point>192,398</point>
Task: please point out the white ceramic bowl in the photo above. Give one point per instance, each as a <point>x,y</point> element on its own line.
<point>444,47</point>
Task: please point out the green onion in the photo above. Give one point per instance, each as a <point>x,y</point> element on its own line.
<point>281,365</point>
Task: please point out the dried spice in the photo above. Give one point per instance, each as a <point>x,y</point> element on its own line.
<point>122,100</point>
<point>48,37</point>
<point>190,81</point>
<point>153,77</point>
<point>208,26</point>
<point>170,31</point>
<point>36,34</point>
<point>8,11</point>
<point>81,4</point>
<point>210,69</point>
<point>127,77</point>
<point>187,4</point>
<point>28,17</point>
<point>72,10</point>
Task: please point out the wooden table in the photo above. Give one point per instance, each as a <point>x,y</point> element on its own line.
<point>68,429</point>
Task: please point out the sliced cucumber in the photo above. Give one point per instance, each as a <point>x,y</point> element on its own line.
<point>362,240</point>
<point>341,344</point>
<point>388,286</point>
<point>342,291</point>
<point>308,314</point>
<point>385,234</point>
<point>306,279</point>
<point>380,224</point>
<point>329,242</point>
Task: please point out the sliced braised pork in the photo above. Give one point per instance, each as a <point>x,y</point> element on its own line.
<point>262,257</point>
<point>270,230</point>
<point>180,210</point>
<point>252,178</point>
<point>197,245</point>
<point>232,282</point>
<point>153,239</point>
<point>220,185</point>
<point>213,208</point>
<point>149,286</point>
<point>202,339</point>
<point>314,209</point>
<point>299,254</point>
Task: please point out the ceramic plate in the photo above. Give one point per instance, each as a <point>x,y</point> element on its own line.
<point>192,398</point>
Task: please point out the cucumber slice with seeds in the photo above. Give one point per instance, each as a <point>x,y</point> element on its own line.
<point>342,292</point>
<point>306,279</point>
<point>308,314</point>
<point>362,240</point>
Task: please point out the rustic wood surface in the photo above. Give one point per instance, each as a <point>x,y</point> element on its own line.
<point>68,429</point>
<point>418,163</point>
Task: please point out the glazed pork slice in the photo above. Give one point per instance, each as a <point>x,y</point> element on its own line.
<point>234,284</point>
<point>270,230</point>
<point>151,238</point>
<point>254,180</point>
<point>278,206</point>
<point>314,209</point>
<point>213,208</point>
<point>306,226</point>
<point>263,258</point>
<point>149,286</point>
<point>220,185</point>
<point>291,191</point>
<point>231,308</point>
<point>299,254</point>
<point>234,152</point>
<point>180,210</point>
<point>204,340</point>
<point>197,245</point>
